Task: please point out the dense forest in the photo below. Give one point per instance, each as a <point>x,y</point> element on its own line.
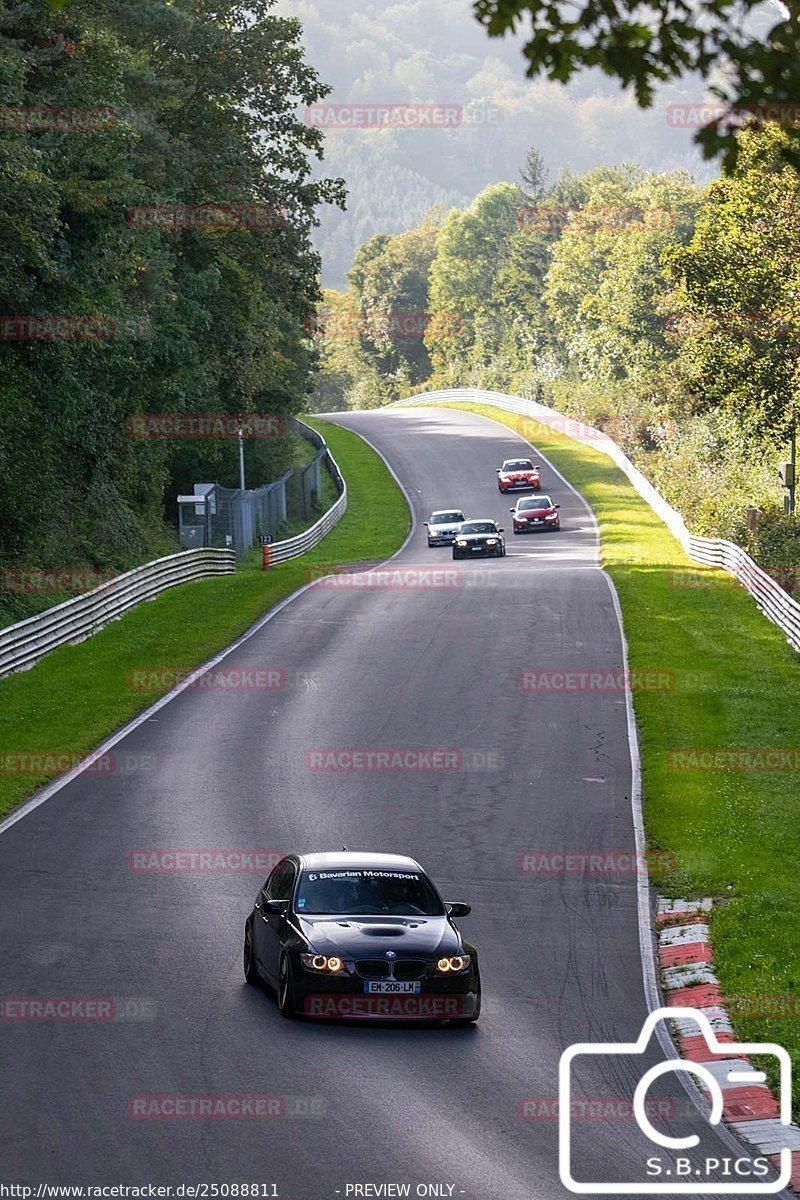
<point>156,207</point>
<point>404,51</point>
<point>664,312</point>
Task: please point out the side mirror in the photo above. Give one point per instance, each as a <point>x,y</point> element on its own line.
<point>501,528</point>
<point>424,522</point>
<point>457,909</point>
<point>558,506</point>
<point>511,510</point>
<point>274,906</point>
<point>497,471</point>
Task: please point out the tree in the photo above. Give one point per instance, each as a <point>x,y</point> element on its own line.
<point>737,290</point>
<point>642,45</point>
<point>534,175</point>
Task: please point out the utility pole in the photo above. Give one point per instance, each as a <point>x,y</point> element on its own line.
<point>241,456</point>
<point>788,471</point>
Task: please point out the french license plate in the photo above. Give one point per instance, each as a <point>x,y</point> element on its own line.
<point>391,986</point>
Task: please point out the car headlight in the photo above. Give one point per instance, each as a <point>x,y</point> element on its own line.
<point>460,542</point>
<point>491,541</point>
<point>551,517</point>
<point>319,962</point>
<point>459,962</point>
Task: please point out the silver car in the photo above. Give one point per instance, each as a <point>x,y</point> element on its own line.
<point>442,526</point>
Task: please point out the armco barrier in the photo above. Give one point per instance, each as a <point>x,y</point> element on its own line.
<point>773,601</point>
<point>292,547</point>
<point>23,644</point>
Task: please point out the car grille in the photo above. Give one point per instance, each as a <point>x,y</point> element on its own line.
<point>379,968</point>
<point>409,968</point>
<point>372,968</point>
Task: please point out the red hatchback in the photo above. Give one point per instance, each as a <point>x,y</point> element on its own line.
<point>517,474</point>
<point>534,514</point>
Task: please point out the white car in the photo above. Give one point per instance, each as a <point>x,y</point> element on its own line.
<point>443,525</point>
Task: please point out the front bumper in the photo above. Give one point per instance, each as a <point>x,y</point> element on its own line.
<point>342,997</point>
<point>441,539</point>
<point>528,528</point>
<point>519,485</point>
<point>472,551</point>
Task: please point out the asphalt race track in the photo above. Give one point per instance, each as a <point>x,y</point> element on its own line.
<point>432,665</point>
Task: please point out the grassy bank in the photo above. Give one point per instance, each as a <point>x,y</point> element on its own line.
<point>734,834</point>
<point>77,695</point>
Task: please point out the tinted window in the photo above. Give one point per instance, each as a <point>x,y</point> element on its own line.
<point>535,505</point>
<point>368,893</point>
<point>518,464</point>
<point>478,527</point>
<point>279,884</point>
<point>446,518</point>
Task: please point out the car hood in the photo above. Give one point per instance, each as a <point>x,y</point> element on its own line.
<point>529,514</point>
<point>443,528</point>
<point>518,474</point>
<point>371,937</point>
<point>477,537</point>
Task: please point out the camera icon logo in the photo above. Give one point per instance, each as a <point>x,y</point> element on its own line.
<point>707,1079</point>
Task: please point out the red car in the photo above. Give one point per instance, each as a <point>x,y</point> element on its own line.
<point>535,513</point>
<point>517,474</point>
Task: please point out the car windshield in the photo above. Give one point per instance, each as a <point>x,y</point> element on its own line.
<point>367,892</point>
<point>478,527</point>
<point>534,505</point>
<point>446,518</point>
<point>517,464</point>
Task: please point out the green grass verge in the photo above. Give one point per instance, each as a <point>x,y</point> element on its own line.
<point>77,695</point>
<point>733,834</point>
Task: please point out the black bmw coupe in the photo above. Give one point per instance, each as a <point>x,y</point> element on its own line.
<point>360,935</point>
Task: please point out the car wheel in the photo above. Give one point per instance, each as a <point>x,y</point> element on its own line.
<point>249,958</point>
<point>286,989</point>
<point>456,554</point>
<point>460,1022</point>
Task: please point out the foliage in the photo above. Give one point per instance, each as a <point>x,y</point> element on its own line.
<point>725,42</point>
<point>202,97</point>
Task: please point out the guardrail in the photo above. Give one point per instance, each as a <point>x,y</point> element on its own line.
<point>76,619</point>
<point>295,546</point>
<point>772,600</point>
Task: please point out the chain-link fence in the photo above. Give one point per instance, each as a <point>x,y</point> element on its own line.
<point>231,517</point>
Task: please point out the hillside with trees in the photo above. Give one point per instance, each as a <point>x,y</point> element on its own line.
<point>665,312</point>
<point>188,103</point>
<point>406,51</point>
